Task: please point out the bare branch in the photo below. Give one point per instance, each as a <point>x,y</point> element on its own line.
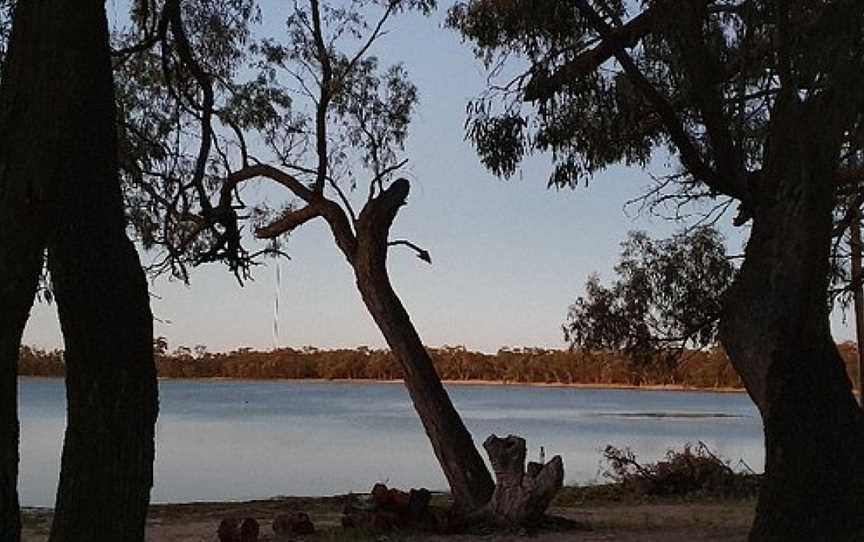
<point>324,97</point>
<point>263,170</point>
<point>376,33</point>
<point>421,253</point>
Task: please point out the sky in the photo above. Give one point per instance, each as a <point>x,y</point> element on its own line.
<point>508,256</point>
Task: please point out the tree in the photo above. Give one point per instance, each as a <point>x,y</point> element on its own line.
<point>667,298</point>
<point>60,192</point>
<point>325,119</point>
<point>759,102</point>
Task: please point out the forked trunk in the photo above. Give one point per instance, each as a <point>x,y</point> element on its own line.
<point>466,473</point>
<point>59,183</point>
<point>775,327</point>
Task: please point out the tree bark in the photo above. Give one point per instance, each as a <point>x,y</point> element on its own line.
<point>466,473</point>
<point>103,302</point>
<point>59,155</point>
<point>521,496</point>
<point>23,219</point>
<point>858,292</point>
<point>775,327</point>
<point>21,259</point>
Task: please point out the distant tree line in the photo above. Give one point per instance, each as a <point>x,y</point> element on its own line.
<point>696,368</point>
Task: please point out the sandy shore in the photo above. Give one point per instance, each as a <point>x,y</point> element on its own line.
<point>593,521</point>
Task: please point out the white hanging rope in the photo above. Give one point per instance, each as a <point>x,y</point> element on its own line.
<point>278,288</point>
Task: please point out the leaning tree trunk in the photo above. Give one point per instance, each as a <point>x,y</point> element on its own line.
<point>775,327</point>
<point>466,473</point>
<point>59,137</point>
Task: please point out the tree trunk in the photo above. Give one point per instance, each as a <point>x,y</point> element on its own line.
<point>23,217</point>
<point>775,328</point>
<point>466,473</point>
<point>21,258</point>
<point>60,139</point>
<point>103,301</point>
<point>858,292</point>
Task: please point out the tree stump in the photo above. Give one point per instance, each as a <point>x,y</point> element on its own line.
<point>520,497</point>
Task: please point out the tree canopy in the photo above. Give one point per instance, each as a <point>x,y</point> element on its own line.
<point>757,103</point>
<point>666,299</point>
<point>613,81</point>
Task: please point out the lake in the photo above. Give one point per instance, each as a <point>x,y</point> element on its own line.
<point>237,440</point>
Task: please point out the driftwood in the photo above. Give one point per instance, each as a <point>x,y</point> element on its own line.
<point>521,496</point>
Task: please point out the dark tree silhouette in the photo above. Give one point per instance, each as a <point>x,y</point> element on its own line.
<point>666,298</point>
<point>760,103</point>
<point>326,119</point>
<point>60,192</point>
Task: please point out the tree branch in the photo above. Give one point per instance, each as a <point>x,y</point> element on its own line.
<point>691,157</point>
<point>325,93</point>
<point>274,174</point>
<point>335,216</point>
<point>289,221</point>
<point>421,253</point>
<point>542,87</point>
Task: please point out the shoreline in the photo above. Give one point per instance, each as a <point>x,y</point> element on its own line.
<point>585,518</point>
<point>490,383</point>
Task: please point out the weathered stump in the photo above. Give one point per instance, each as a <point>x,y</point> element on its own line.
<point>521,497</point>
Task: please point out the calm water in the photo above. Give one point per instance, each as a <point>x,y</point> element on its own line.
<point>232,440</point>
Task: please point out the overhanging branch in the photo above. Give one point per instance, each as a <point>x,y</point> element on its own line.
<point>542,87</point>
<point>691,156</point>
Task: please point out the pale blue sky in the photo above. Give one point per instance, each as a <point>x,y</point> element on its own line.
<point>508,256</point>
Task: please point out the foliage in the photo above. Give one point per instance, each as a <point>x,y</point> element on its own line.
<point>214,99</point>
<point>697,369</point>
<point>693,470</point>
<point>509,365</point>
<point>597,83</point>
<point>667,298</point>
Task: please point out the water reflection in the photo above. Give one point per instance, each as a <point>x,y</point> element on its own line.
<point>233,440</point>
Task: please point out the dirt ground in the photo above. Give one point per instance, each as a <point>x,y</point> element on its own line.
<point>590,521</point>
